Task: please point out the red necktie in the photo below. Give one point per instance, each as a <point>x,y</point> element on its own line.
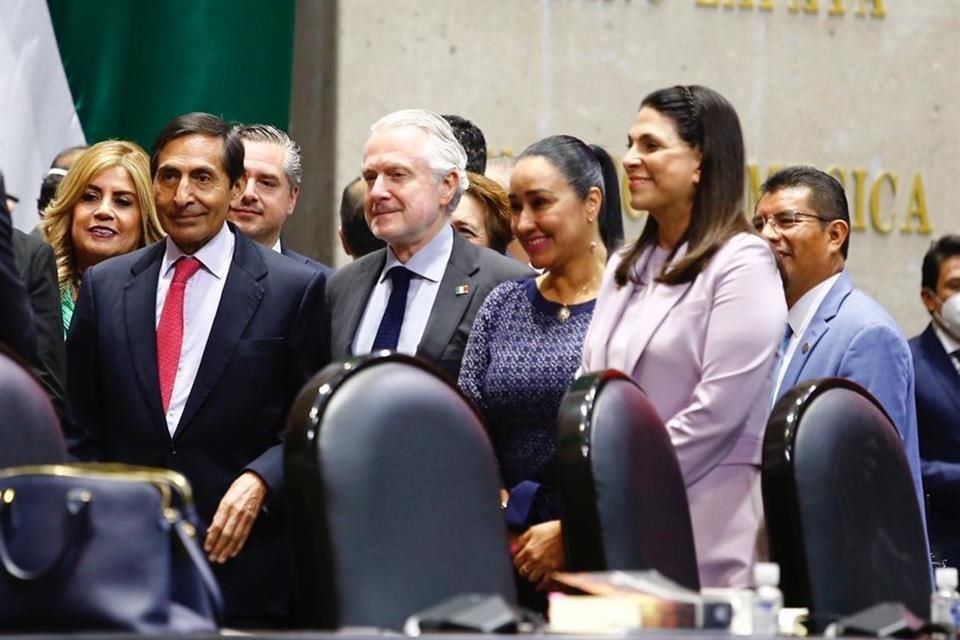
<point>170,329</point>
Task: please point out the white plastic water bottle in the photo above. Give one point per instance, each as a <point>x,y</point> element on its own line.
<point>945,601</point>
<point>767,599</point>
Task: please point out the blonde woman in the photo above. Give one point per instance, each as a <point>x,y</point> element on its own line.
<point>103,208</point>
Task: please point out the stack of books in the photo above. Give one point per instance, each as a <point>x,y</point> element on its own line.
<point>615,601</point>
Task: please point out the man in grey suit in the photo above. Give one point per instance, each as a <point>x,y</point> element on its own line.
<point>419,294</point>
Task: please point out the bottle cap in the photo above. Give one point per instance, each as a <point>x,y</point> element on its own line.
<point>766,574</point>
<point>946,577</point>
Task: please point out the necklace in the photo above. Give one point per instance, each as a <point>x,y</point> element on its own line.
<point>563,313</point>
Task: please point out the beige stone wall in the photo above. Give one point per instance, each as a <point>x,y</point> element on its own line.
<point>864,94</point>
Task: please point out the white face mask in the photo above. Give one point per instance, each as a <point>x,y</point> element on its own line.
<point>949,316</point>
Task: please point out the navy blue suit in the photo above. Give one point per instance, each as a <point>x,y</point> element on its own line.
<point>256,359</point>
<point>938,419</point>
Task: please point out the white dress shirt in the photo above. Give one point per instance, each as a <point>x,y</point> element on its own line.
<point>201,299</point>
<point>949,345</point>
<point>799,317</point>
<point>428,265</point>
<point>276,246</point>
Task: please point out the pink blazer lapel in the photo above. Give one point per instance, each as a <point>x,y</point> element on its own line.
<point>662,299</point>
<point>609,314</point>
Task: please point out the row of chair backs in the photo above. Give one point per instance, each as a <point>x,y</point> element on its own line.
<point>622,491</point>
<point>393,486</point>
<point>391,479</point>
<point>29,427</point>
<point>841,509</point>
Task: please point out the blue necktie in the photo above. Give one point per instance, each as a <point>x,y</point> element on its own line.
<point>781,354</point>
<point>787,334</point>
<point>388,334</point>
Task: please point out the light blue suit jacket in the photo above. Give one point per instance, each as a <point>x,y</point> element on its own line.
<point>851,336</point>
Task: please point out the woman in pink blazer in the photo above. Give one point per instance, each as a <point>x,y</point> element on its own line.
<point>694,310</point>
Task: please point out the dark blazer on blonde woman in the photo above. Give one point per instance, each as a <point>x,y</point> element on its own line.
<point>704,353</point>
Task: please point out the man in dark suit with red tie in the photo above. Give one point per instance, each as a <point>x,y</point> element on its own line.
<point>187,355</point>
<point>936,359</point>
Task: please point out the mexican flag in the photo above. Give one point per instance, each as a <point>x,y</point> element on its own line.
<point>80,71</point>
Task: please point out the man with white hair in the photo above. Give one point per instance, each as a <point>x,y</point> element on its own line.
<point>420,293</point>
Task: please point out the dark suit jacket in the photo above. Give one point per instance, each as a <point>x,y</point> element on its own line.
<point>938,422</point>
<point>310,262</point>
<point>16,319</point>
<point>37,266</point>
<point>250,372</point>
<point>451,319</point>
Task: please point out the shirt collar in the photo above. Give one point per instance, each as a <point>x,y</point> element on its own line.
<point>215,256</point>
<point>949,344</point>
<point>276,246</point>
<point>430,262</point>
<point>803,310</point>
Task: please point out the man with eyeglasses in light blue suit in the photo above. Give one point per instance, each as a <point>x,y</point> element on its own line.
<point>834,330</point>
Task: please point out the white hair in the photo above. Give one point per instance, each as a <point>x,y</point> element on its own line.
<point>443,152</point>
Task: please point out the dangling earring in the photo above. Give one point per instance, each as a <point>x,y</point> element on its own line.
<point>593,246</point>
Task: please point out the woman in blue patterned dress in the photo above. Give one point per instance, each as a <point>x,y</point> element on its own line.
<point>525,345</point>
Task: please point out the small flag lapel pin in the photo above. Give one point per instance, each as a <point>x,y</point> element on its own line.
<point>462,290</point>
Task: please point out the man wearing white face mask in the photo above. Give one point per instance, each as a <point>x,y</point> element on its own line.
<point>936,358</point>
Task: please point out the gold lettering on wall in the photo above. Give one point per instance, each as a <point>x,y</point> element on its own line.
<point>878,224</point>
<point>807,7</point>
<point>878,9</point>
<point>864,197</point>
<point>917,208</point>
<point>859,193</point>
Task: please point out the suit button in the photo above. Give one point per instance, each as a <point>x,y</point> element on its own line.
<point>173,450</point>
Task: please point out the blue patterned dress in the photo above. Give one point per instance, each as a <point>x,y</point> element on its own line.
<point>519,361</point>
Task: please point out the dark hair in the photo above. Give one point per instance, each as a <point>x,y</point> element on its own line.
<point>66,158</point>
<point>585,167</point>
<point>471,138</point>
<point>826,193</point>
<point>707,122</point>
<point>496,208</point>
<point>203,124</point>
<point>353,223</point>
<point>940,250</point>
<point>48,189</point>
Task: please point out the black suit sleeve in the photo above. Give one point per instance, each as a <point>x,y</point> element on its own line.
<point>17,328</point>
<point>39,270</point>
<point>82,424</point>
<point>308,354</point>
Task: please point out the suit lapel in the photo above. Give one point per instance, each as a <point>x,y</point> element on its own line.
<point>818,327</point>
<point>451,302</point>
<point>349,309</point>
<point>660,301</point>
<point>241,297</point>
<point>140,317</point>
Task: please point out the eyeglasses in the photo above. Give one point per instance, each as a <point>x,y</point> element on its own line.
<point>784,220</point>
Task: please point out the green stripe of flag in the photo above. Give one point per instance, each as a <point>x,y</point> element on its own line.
<point>133,65</point>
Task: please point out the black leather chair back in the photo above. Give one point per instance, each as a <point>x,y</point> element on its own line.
<point>841,510</point>
<point>622,491</point>
<point>29,428</point>
<point>393,490</point>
